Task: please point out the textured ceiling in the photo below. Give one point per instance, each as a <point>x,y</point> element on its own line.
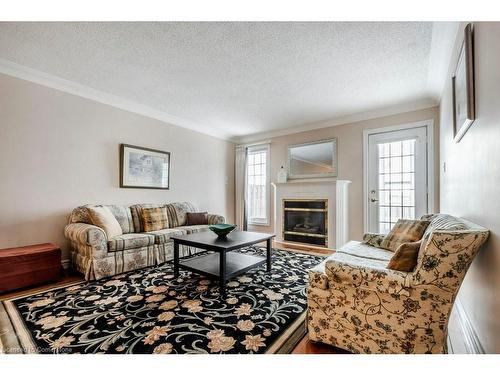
<point>235,79</point>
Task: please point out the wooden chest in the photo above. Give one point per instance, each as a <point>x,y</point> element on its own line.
<point>29,265</point>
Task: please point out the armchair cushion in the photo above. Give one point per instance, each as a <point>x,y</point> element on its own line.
<point>130,241</point>
<point>405,257</point>
<point>404,231</point>
<point>368,274</point>
<point>363,250</point>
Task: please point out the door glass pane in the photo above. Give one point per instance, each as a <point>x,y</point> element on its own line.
<point>396,182</point>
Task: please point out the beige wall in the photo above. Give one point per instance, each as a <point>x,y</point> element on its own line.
<point>470,187</point>
<point>350,157</point>
<point>58,151</point>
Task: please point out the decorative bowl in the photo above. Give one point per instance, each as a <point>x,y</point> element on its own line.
<point>222,230</point>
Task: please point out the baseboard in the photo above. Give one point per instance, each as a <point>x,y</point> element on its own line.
<point>65,264</point>
<point>471,340</point>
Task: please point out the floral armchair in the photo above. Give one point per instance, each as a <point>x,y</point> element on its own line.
<point>356,303</point>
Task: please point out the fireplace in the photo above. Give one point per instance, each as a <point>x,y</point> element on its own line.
<point>306,221</point>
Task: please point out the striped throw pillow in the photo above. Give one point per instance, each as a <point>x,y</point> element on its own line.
<point>154,218</point>
<point>404,231</point>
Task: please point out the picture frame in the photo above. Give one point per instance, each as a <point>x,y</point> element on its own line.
<point>463,87</point>
<point>144,168</point>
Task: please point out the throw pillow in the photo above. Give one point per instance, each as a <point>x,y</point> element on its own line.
<point>154,218</point>
<point>197,218</point>
<point>405,257</point>
<point>103,218</point>
<point>404,231</point>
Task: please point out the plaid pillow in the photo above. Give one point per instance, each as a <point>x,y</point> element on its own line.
<point>404,231</point>
<point>154,218</point>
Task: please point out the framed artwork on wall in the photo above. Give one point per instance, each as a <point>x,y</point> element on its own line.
<point>144,168</point>
<point>463,87</point>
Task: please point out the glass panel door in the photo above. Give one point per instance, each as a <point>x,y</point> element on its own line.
<point>397,177</point>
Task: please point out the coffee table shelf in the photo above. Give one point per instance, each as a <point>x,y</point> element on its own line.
<point>223,263</point>
<point>236,264</point>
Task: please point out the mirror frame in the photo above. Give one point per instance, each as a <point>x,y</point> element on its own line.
<point>292,176</point>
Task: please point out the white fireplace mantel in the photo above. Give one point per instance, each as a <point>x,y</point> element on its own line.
<point>336,191</point>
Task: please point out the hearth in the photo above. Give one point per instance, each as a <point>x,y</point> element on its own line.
<point>306,221</point>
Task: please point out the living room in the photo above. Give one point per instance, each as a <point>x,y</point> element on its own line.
<point>247,187</point>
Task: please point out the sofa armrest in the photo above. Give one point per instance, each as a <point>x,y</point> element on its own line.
<point>373,239</point>
<point>216,219</point>
<point>365,277</point>
<point>88,238</point>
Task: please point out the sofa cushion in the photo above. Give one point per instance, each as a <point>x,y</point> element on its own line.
<point>195,228</point>
<point>177,213</point>
<point>130,241</point>
<point>154,218</point>
<point>404,231</point>
<point>104,219</point>
<point>136,212</point>
<point>197,218</point>
<point>123,216</point>
<point>162,236</point>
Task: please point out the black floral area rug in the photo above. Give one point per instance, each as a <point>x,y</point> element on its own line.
<point>149,311</point>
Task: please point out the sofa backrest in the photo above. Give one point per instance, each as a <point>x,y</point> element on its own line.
<point>129,217</point>
<point>447,251</point>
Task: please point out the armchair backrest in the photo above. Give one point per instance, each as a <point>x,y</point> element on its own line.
<point>448,249</point>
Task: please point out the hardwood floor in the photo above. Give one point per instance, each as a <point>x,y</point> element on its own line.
<point>65,280</point>
<point>305,346</point>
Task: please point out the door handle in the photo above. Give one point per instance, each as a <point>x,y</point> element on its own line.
<point>373,200</point>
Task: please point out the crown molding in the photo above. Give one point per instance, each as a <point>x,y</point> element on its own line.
<point>32,75</point>
<point>344,120</point>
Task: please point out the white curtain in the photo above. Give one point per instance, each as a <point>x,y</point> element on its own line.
<point>240,186</point>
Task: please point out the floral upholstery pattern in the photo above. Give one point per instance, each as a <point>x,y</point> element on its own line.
<point>96,257</point>
<point>357,304</point>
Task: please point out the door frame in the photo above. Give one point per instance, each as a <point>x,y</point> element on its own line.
<point>429,124</point>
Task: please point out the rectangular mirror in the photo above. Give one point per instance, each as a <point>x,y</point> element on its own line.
<point>313,159</point>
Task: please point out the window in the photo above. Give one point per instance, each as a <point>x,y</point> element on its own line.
<point>257,185</point>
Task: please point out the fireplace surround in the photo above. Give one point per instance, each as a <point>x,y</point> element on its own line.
<point>334,194</point>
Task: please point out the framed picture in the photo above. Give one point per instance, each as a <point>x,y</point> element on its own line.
<point>144,168</point>
<point>463,88</point>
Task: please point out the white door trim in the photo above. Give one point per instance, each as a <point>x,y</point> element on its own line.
<point>429,124</point>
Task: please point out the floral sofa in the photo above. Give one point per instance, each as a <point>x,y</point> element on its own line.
<point>356,303</point>
<point>96,256</point>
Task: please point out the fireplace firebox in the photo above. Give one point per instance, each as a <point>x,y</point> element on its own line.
<point>306,221</point>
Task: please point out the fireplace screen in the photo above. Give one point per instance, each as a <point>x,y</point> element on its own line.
<point>305,221</point>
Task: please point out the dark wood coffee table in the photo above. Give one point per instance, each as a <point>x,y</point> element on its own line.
<point>223,264</point>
